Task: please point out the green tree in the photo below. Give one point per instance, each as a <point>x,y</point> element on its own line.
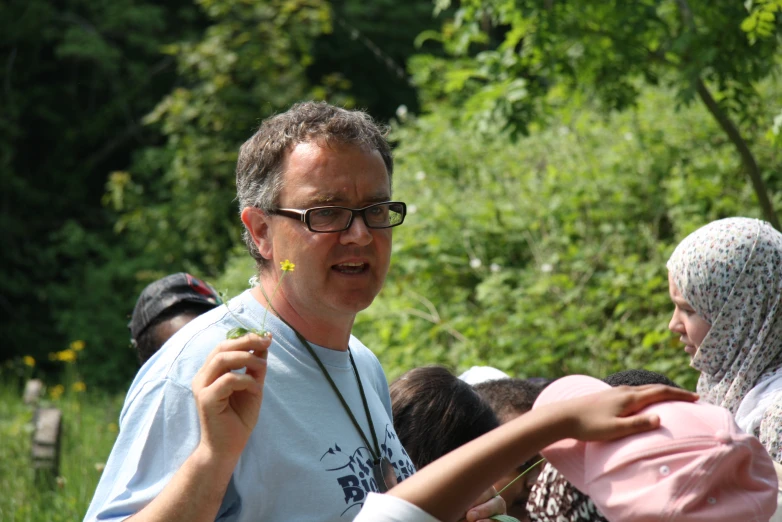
<point>368,48</point>
<point>512,60</point>
<point>250,63</point>
<point>76,79</point>
<point>119,129</point>
<point>545,255</point>
<point>254,60</point>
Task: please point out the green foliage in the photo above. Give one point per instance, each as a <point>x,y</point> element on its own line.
<point>121,123</point>
<point>367,51</point>
<point>761,22</point>
<point>546,256</point>
<point>249,64</point>
<point>99,312</point>
<point>77,78</point>
<point>239,268</point>
<point>510,60</point>
<point>118,138</point>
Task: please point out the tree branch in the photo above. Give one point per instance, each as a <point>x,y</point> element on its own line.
<point>747,158</point>
<point>381,56</point>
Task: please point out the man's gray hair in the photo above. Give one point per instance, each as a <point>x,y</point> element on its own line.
<point>259,168</point>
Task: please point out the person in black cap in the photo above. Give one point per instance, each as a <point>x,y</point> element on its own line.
<point>165,306</point>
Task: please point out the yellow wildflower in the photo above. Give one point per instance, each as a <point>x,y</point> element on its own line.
<point>67,356</point>
<point>113,428</point>
<point>57,391</point>
<point>77,346</point>
<point>234,333</point>
<point>28,361</point>
<point>79,386</point>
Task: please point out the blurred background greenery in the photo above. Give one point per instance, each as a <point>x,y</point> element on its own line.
<point>551,154</point>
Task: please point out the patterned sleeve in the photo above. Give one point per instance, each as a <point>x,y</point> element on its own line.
<point>770,434</point>
<point>554,499</point>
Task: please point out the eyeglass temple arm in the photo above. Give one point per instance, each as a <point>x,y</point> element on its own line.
<point>291,213</point>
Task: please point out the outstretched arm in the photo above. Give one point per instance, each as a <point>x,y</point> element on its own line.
<point>444,488</point>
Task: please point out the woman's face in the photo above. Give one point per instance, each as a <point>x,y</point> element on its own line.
<point>691,327</point>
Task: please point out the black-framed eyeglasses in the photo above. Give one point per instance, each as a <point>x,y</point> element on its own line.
<point>336,219</point>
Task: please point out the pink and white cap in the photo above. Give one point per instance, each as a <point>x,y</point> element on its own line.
<point>697,466</point>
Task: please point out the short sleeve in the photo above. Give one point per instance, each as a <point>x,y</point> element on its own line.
<point>158,432</point>
<point>387,508</point>
<point>770,434</point>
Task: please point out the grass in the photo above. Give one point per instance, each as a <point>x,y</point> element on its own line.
<point>89,429</point>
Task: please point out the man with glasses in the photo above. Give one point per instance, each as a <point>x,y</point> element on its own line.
<point>314,189</point>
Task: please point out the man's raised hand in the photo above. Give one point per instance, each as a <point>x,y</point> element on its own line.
<point>229,401</point>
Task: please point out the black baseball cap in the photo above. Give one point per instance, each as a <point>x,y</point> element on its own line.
<point>164,293</point>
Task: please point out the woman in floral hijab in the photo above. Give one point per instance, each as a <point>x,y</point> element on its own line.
<point>726,282</point>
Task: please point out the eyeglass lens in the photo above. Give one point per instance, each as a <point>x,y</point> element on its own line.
<point>377,216</point>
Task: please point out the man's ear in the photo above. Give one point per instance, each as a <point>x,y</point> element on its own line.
<point>257,223</point>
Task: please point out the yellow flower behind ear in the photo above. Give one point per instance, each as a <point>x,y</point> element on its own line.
<point>287,266</point>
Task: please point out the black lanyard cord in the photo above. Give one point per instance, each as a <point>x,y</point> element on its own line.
<point>366,406</point>
<point>376,452</point>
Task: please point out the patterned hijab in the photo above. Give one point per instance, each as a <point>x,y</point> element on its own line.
<point>730,272</point>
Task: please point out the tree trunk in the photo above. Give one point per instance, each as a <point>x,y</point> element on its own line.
<point>747,158</point>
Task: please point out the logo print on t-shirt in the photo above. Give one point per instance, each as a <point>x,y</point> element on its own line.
<point>354,469</point>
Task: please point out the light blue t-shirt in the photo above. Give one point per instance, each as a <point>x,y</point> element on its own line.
<point>304,461</point>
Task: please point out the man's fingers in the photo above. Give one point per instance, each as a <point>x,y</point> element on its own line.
<point>224,362</point>
<point>250,342</point>
<point>227,384</point>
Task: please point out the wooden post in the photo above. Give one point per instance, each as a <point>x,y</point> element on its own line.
<point>47,438</point>
<point>32,391</point>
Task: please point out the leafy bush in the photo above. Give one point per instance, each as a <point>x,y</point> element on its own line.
<point>546,256</point>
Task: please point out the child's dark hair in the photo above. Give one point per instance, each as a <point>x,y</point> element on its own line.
<point>435,413</point>
<point>638,377</point>
<point>509,398</point>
